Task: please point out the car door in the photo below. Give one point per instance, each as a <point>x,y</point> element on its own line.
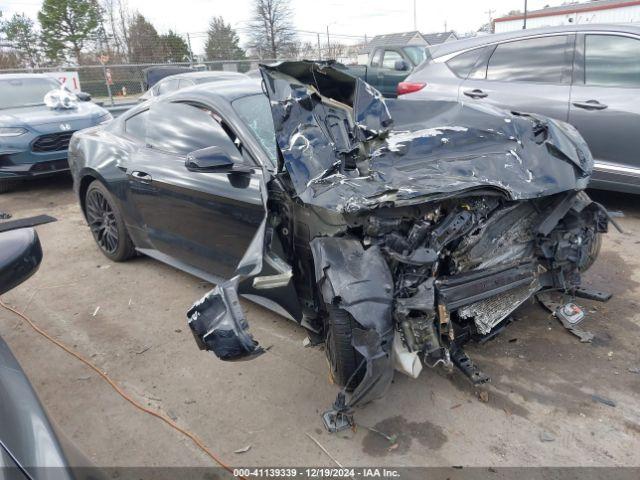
<point>528,75</point>
<point>204,220</point>
<point>605,104</point>
<point>388,75</point>
<point>373,68</point>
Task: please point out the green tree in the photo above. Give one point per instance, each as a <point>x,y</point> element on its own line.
<point>68,26</point>
<point>20,33</point>
<point>144,41</point>
<point>174,48</point>
<point>222,42</point>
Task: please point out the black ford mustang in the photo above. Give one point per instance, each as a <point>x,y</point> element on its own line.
<point>393,231</point>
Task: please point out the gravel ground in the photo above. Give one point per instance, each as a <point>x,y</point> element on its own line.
<point>130,319</point>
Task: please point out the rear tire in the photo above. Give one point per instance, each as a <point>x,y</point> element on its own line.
<point>344,360</point>
<point>107,224</point>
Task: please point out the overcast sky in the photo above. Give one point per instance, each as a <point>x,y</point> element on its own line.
<point>348,18</point>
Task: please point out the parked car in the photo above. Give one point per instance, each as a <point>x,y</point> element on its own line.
<point>587,75</point>
<point>389,65</point>
<point>175,82</point>
<point>404,227</point>
<point>33,136</point>
<point>30,447</point>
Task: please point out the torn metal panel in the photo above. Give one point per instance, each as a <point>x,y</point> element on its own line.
<point>432,150</point>
<point>356,279</point>
<point>359,281</point>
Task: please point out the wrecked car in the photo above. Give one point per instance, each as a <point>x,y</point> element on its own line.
<point>393,232</point>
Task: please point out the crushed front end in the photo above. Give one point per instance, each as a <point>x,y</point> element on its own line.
<point>417,227</point>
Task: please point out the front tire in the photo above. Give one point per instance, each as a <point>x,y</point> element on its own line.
<point>107,224</point>
<point>594,251</point>
<point>7,185</point>
<point>344,360</point>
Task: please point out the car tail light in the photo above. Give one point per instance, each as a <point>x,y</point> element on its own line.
<point>409,87</point>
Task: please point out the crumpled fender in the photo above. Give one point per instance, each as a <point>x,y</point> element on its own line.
<point>360,282</point>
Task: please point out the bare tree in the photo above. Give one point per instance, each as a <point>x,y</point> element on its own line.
<point>118,18</point>
<point>272,32</point>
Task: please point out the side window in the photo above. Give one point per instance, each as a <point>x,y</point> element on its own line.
<point>181,128</point>
<point>390,58</point>
<point>612,61</point>
<point>462,64</point>
<point>167,86</point>
<point>377,58</point>
<point>545,60</point>
<point>136,126</point>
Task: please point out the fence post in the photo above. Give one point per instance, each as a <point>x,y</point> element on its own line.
<point>107,83</point>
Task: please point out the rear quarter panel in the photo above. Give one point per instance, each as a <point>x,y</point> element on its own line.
<point>101,154</point>
<point>441,83</point>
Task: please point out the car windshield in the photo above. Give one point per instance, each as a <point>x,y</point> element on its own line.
<point>416,54</point>
<point>255,111</point>
<point>24,92</point>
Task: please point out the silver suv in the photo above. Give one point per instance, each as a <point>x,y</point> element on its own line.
<point>587,75</point>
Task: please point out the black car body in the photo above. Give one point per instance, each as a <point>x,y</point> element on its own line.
<point>30,447</point>
<point>393,231</point>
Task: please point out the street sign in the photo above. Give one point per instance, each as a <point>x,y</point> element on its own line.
<point>68,79</point>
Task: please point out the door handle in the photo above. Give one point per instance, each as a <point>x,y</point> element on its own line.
<point>475,93</point>
<point>142,177</point>
<point>590,105</point>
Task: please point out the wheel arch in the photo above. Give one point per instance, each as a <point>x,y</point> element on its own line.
<point>87,177</point>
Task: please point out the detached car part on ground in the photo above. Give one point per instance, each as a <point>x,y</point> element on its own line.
<point>398,231</point>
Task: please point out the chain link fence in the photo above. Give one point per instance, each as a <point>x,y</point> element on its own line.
<point>124,83</point>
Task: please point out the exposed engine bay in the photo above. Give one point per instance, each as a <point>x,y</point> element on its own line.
<point>397,247</point>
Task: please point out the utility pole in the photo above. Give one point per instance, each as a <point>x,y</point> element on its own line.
<point>490,12</point>
<point>415,22</point>
<point>328,44</point>
<point>524,24</point>
<point>190,51</point>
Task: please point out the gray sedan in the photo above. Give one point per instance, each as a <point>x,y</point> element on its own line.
<point>588,75</point>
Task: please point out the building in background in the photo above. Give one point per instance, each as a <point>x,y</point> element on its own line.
<point>441,37</point>
<point>403,39</point>
<point>597,11</point>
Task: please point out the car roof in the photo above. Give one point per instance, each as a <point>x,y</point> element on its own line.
<point>206,74</point>
<point>23,76</point>
<point>467,43</point>
<point>224,90</point>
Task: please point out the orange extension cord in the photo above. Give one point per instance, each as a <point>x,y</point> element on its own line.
<point>194,438</point>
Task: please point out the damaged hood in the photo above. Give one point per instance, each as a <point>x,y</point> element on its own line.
<point>347,148</point>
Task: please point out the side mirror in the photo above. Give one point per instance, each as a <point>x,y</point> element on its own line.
<point>210,159</point>
<point>83,96</point>
<point>20,257</point>
<point>401,65</point>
